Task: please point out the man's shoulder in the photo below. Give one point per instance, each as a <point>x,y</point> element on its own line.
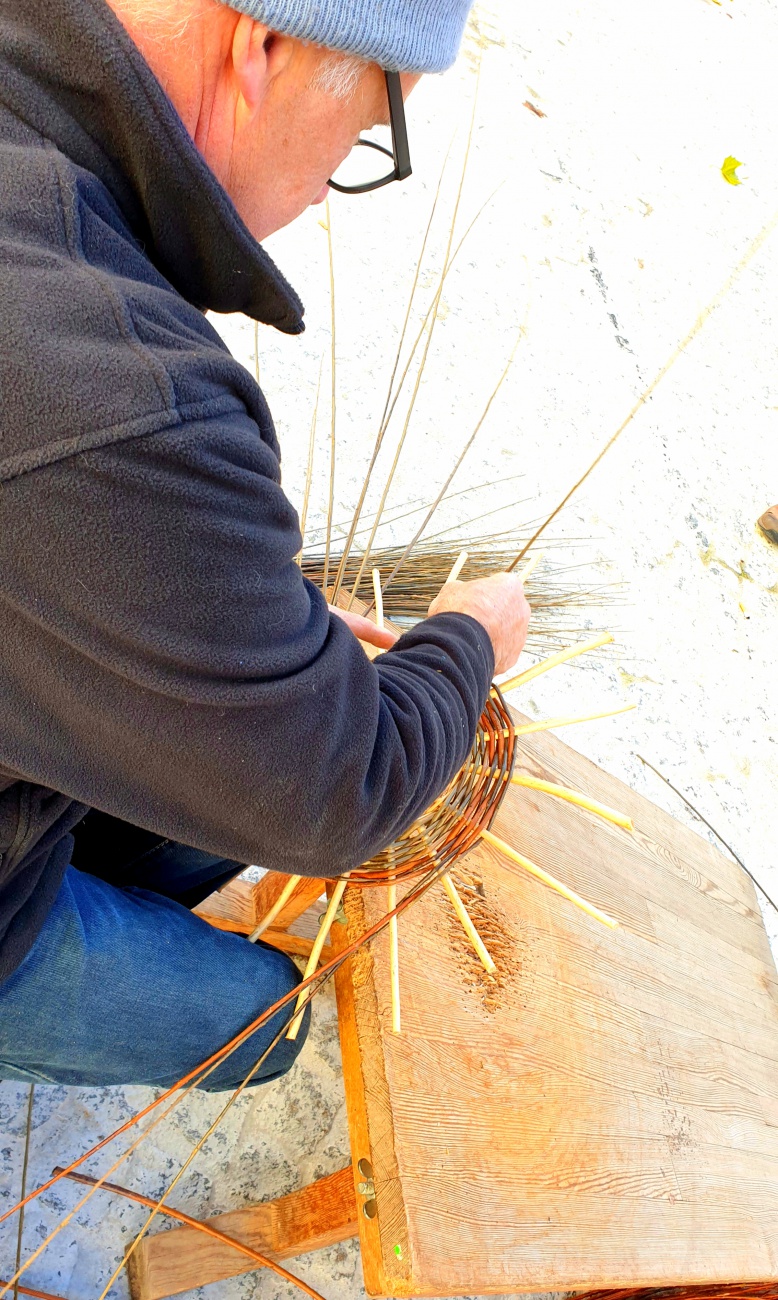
<point>95,344</point>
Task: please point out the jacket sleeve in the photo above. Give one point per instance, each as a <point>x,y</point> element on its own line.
<point>166,662</point>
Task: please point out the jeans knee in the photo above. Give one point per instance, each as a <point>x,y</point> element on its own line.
<point>260,1056</point>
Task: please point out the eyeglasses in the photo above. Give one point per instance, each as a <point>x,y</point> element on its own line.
<point>399,152</point>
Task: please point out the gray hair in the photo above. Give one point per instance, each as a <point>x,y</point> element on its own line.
<point>338,75</point>
<point>163,21</point>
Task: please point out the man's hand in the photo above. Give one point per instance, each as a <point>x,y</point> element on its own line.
<point>498,604</point>
<point>365,630</point>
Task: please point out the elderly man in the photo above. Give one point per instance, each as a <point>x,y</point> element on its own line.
<point>176,699</point>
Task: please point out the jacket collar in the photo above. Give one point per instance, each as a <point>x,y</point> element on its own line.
<point>69,69</point>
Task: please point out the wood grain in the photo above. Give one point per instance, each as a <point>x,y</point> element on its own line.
<point>239,906</point>
<point>319,1215</point>
<point>267,890</point>
<point>604,1111</point>
<point>233,908</point>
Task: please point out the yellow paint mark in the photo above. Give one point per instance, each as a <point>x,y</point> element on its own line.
<point>729,170</point>
<point>631,679</point>
<point>709,556</point>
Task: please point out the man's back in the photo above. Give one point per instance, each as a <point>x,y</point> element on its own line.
<point>162,658</point>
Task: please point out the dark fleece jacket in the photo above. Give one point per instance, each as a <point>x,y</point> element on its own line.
<point>161,656</point>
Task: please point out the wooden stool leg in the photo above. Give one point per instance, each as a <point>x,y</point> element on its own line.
<point>319,1215</point>
<point>239,906</point>
<point>268,889</point>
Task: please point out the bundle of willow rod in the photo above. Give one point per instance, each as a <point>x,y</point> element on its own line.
<point>558,607</point>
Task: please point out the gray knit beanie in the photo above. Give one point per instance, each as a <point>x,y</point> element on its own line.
<point>400,35</point>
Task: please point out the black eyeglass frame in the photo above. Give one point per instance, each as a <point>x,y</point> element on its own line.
<point>399,152</point>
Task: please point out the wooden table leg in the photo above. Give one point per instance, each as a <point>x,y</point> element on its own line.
<point>319,1215</point>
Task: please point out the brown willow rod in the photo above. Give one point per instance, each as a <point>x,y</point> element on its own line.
<point>429,325</point>
<point>159,1206</point>
<point>706,312</point>
<point>115,1189</point>
<point>133,1146</point>
<point>37,1295</point>
<point>319,979</point>
<point>186,1219</point>
<point>196,1075</point>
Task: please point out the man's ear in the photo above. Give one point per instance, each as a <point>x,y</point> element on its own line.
<point>251,47</point>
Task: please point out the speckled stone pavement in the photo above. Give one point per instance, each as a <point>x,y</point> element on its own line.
<point>613,227</point>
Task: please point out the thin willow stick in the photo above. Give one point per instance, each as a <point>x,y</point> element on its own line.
<point>276,909</point>
<point>467,924</point>
<point>342,525</point>
<point>457,463</point>
<point>36,1295</point>
<point>553,661</point>
<point>256,349</point>
<point>25,1164</point>
<point>457,567</point>
<point>159,1205</point>
<point>319,942</point>
<point>394,958</point>
<point>389,409</point>
<point>551,881</point>
<point>378,600</point>
<point>715,302</point>
<point>331,503</point>
<point>386,414</point>
<point>192,1079</point>
<point>551,724</point>
<point>712,829</point>
<point>531,566</point>
<point>309,470</point>
<point>432,317</point>
<point>99,1182</point>
<point>572,796</point>
<point>200,1225</point>
<point>198,1075</point>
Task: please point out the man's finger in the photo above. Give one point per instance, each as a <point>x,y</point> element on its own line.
<point>365,630</point>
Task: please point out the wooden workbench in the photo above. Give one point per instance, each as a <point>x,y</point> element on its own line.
<point>602,1113</point>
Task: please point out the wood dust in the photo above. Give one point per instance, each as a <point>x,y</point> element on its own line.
<point>507,949</point>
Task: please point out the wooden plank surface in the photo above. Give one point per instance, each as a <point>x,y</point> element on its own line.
<point>604,1111</point>
<point>319,1215</point>
<point>240,905</point>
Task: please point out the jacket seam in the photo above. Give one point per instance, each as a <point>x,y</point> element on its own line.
<point>140,427</point>
<point>71,220</point>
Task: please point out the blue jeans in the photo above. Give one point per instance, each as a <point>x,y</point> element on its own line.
<point>125,985</point>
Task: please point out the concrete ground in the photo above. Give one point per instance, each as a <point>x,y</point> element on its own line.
<point>611,230</point>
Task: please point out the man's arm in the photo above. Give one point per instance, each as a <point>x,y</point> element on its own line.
<point>167,663</point>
